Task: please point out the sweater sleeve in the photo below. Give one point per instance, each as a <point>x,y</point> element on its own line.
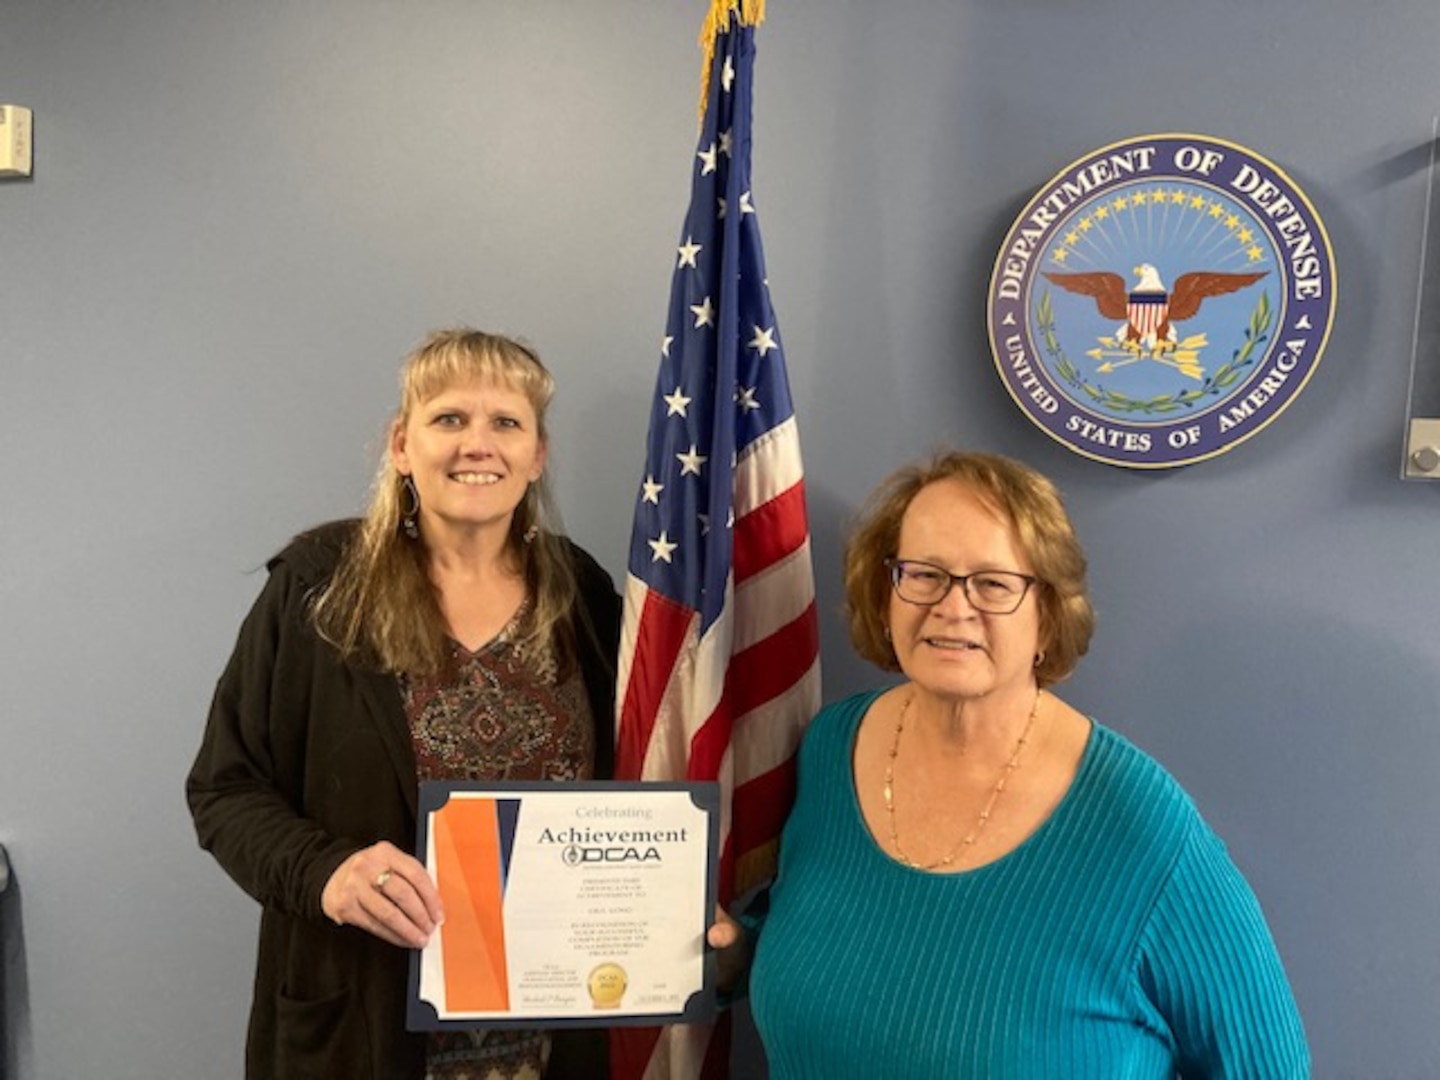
<point>1210,968</point>
<point>244,788</point>
<point>597,633</point>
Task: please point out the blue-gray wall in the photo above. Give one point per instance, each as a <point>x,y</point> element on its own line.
<point>242,214</point>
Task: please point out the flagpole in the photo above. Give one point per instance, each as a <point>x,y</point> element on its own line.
<point>717,21</point>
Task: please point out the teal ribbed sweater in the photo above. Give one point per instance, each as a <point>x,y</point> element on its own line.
<point>1117,942</point>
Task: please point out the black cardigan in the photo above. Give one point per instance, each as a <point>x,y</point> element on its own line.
<point>305,761</point>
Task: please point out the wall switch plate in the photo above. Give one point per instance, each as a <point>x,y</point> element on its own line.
<point>14,140</point>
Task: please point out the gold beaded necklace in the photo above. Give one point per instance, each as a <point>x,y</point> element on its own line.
<point>980,823</point>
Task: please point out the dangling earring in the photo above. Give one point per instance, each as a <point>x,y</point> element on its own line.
<point>408,523</point>
<point>528,511</point>
<point>887,633</point>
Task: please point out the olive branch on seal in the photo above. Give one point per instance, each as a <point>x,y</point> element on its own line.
<point>1224,377</point>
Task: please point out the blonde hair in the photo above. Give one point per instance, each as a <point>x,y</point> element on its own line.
<point>1043,531</point>
<point>380,607</point>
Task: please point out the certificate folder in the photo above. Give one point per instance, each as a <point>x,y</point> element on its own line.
<point>567,904</point>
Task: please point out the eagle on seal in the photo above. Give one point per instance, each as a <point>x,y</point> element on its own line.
<point>1149,311</point>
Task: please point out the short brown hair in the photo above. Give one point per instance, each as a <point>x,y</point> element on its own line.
<point>1043,531</point>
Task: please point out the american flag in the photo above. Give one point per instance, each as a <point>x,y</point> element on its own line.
<point>719,661</point>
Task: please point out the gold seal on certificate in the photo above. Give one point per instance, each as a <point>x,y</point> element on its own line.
<point>607,986</point>
<point>567,904</point>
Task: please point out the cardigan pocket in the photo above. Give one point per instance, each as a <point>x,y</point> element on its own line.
<point>321,1039</point>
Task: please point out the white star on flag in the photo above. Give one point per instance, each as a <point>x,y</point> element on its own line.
<point>690,462</point>
<point>663,548</point>
<point>764,340</point>
<point>651,491</point>
<point>704,313</point>
<point>676,403</point>
<point>688,251</point>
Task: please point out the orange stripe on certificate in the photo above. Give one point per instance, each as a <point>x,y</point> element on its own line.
<point>472,941</point>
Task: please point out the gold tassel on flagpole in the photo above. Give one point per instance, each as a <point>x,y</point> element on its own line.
<point>752,13</point>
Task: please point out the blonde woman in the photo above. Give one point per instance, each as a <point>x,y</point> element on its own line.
<point>450,634</point>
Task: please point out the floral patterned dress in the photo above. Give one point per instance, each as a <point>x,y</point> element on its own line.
<point>496,714</point>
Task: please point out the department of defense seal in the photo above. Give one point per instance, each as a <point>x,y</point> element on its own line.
<point>1161,300</point>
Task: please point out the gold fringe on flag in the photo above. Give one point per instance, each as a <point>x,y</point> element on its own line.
<point>752,13</point>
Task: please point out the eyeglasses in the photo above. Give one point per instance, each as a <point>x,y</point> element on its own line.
<point>995,592</point>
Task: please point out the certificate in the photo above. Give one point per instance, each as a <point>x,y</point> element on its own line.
<point>567,905</point>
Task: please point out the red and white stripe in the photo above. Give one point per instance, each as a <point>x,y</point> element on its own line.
<point>732,705</point>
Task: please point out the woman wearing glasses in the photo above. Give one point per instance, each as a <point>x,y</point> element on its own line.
<point>977,880</point>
